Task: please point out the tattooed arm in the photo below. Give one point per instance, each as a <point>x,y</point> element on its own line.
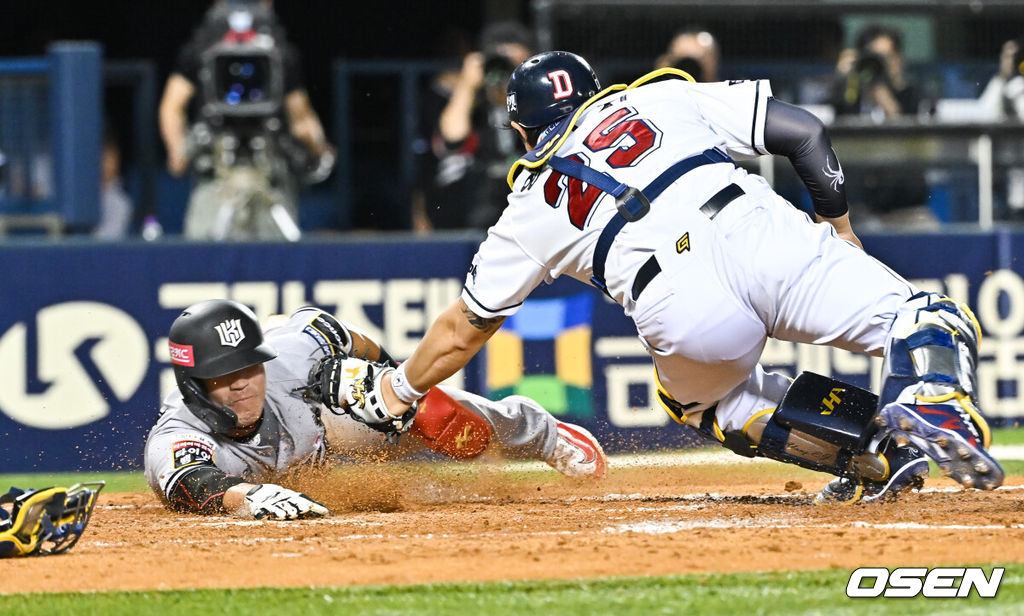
<point>453,339</point>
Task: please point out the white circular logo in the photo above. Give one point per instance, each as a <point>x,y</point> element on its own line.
<point>69,397</point>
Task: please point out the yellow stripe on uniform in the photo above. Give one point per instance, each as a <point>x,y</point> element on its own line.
<point>755,417</point>
<point>667,402</point>
<point>676,411</point>
<point>974,320</point>
<point>986,432</point>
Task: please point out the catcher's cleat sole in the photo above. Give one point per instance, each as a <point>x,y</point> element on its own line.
<point>909,475</point>
<point>958,454</point>
<point>840,491</point>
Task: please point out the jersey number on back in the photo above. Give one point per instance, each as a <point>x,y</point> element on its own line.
<point>633,140</point>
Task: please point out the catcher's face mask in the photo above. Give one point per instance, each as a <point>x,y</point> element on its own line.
<point>49,521</point>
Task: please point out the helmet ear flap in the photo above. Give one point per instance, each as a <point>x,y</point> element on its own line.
<point>221,419</point>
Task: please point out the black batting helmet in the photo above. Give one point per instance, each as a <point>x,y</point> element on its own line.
<point>548,87</point>
<point>211,339</point>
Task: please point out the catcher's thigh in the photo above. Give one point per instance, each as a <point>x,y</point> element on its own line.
<point>823,290</point>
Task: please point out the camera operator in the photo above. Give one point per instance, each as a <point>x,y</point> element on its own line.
<point>870,82</point>
<point>235,112</point>
<point>473,145</point>
<point>695,51</point>
<point>870,79</point>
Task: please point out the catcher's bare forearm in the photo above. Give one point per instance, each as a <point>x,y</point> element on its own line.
<point>454,338</point>
<point>843,228</point>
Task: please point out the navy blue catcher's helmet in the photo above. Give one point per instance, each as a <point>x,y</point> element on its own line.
<point>548,87</point>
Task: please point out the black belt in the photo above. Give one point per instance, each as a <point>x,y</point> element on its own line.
<point>655,188</point>
<point>711,208</point>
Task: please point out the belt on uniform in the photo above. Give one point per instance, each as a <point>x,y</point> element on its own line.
<point>711,208</point>
<point>631,203</point>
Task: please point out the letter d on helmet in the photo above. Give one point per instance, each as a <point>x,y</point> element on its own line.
<point>211,339</point>
<point>548,87</point>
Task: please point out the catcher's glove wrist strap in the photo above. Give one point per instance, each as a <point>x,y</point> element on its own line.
<point>403,388</point>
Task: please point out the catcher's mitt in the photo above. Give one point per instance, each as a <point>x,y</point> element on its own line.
<point>49,521</point>
<point>325,382</point>
<point>348,385</point>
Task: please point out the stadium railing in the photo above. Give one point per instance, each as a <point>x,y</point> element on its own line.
<point>50,133</point>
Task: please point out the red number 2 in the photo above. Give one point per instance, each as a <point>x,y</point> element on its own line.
<point>634,138</point>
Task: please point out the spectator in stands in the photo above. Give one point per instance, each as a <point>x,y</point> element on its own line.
<point>115,204</point>
<point>1003,99</point>
<point>253,135</point>
<point>870,82</point>
<point>695,51</point>
<point>870,79</point>
<point>1003,96</point>
<point>472,144</point>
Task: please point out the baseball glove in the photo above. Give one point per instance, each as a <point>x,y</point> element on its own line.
<point>351,385</point>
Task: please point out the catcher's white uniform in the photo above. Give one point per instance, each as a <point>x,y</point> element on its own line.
<point>729,278</point>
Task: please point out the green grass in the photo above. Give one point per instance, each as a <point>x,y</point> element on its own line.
<point>806,592</point>
<point>1008,436</point>
<point>117,481</point>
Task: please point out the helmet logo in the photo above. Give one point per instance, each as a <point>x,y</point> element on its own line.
<point>563,84</point>
<point>230,332</point>
<point>510,101</point>
<point>181,354</point>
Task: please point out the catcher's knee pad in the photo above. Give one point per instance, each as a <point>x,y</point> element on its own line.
<point>821,424</point>
<point>932,356</point>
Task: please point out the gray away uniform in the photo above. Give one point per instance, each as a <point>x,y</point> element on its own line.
<point>186,462</point>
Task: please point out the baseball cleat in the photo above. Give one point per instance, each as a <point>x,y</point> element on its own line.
<point>577,453</point>
<point>950,436</point>
<point>908,468</point>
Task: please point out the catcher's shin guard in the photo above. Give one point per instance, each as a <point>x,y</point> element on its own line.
<point>929,389</point>
<point>931,358</point>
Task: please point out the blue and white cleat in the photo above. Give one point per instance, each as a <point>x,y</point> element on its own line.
<point>907,469</point>
<point>955,438</point>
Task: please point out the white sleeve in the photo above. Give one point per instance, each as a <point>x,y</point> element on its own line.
<point>501,277</point>
<point>735,110</point>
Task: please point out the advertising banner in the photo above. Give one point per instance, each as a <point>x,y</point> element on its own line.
<point>83,349</point>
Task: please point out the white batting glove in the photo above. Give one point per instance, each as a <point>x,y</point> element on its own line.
<point>272,501</point>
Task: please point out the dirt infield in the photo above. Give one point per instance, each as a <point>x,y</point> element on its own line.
<point>406,525</point>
